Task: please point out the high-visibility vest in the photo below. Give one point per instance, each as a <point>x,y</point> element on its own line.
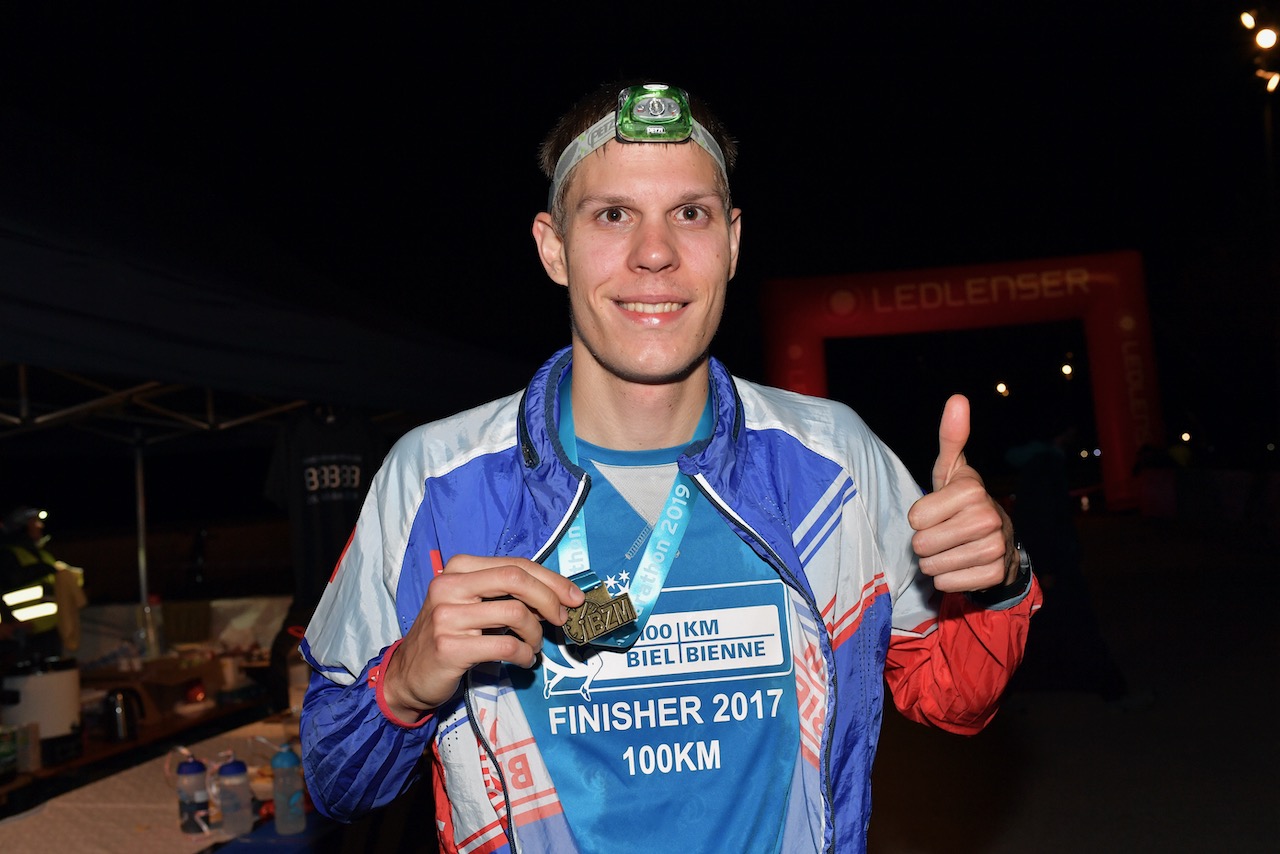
<point>35,558</point>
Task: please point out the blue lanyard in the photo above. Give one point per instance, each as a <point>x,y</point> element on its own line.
<point>659,552</point>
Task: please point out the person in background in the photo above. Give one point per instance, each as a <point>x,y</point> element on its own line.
<point>1068,650</point>
<point>26,565</point>
<point>319,473</point>
<point>644,605</point>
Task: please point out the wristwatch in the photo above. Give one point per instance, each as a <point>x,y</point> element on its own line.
<point>1024,566</point>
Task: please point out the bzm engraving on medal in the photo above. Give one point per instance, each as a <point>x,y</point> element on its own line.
<point>598,616</point>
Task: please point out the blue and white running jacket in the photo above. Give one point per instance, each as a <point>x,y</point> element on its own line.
<point>802,480</point>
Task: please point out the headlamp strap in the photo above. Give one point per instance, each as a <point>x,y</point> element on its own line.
<point>607,128</point>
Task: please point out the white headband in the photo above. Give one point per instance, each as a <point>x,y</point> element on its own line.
<point>606,129</point>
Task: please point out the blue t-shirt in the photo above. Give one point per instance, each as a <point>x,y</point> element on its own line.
<point>688,740</point>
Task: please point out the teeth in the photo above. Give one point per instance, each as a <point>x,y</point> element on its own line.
<point>652,308</point>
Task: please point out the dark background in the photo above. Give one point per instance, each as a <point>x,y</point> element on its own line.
<point>391,155</point>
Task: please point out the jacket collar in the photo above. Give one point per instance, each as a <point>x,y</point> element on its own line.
<point>553,479</point>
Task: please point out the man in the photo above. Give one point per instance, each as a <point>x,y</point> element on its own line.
<point>31,576</point>
<point>731,700</point>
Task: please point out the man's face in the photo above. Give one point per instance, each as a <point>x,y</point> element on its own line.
<point>647,253</point>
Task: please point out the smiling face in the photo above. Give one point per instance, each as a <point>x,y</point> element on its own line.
<point>646,253</point>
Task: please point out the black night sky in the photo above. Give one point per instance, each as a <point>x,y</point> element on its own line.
<point>393,154</point>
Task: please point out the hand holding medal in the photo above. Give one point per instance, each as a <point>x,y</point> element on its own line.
<point>454,631</point>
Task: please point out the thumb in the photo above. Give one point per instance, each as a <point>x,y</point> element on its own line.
<point>953,433</point>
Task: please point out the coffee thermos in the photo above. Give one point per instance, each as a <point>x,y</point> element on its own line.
<point>121,710</point>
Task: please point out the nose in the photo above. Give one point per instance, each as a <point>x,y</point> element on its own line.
<point>654,247</point>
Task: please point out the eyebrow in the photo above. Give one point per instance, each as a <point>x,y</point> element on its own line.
<point>619,200</point>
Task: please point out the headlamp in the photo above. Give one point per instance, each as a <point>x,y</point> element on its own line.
<point>652,112</point>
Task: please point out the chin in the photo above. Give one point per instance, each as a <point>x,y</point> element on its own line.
<point>650,365</point>
<point>658,372</point>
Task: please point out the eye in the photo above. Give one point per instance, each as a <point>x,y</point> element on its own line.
<point>691,213</point>
<point>612,215</point>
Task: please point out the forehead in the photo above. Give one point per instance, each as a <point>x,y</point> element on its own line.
<point>622,168</point>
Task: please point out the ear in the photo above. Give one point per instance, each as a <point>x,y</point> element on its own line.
<point>735,237</point>
<point>550,249</point>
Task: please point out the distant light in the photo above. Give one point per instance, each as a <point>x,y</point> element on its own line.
<point>1273,81</point>
<point>1097,452</point>
<point>1002,389</point>
<point>1084,453</point>
<point>1084,503</point>
<point>1067,371</point>
<point>1271,446</point>
<point>1248,20</point>
<point>1186,437</point>
<point>1266,38</point>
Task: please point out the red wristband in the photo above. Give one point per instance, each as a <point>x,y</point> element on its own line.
<point>376,681</point>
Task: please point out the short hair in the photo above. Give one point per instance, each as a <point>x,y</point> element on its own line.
<point>594,106</point>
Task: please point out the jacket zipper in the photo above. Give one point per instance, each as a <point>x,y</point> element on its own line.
<point>493,759</point>
<point>584,486</point>
<point>789,578</point>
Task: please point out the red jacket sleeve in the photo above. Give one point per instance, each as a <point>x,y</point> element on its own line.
<point>953,676</point>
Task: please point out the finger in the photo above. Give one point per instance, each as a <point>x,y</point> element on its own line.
<point>471,578</point>
<point>988,550</point>
<point>961,503</point>
<point>969,580</point>
<point>462,632</point>
<point>953,433</point>
<point>477,649</point>
<point>490,616</point>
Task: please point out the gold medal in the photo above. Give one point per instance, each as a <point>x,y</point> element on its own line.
<point>599,615</point>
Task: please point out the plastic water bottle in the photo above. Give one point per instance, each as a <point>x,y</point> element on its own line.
<point>286,771</point>
<point>193,796</point>
<point>235,798</point>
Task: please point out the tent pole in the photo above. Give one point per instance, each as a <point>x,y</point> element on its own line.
<point>148,617</point>
<point>141,513</point>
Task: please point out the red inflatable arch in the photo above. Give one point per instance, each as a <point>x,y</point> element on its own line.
<point>1105,291</point>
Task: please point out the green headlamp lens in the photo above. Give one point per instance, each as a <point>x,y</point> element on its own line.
<point>654,112</point>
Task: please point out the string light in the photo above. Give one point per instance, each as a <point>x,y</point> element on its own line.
<point>1265,38</point>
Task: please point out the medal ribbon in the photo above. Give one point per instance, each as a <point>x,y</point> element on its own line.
<point>659,551</point>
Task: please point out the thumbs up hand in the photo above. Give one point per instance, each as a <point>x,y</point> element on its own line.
<point>963,537</point>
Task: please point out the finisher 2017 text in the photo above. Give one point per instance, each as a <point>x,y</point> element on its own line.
<point>679,711</point>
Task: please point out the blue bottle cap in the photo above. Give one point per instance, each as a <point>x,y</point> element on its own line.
<point>232,768</point>
<point>191,766</point>
<point>285,758</point>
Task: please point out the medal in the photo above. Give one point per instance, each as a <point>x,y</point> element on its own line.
<point>600,614</point>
